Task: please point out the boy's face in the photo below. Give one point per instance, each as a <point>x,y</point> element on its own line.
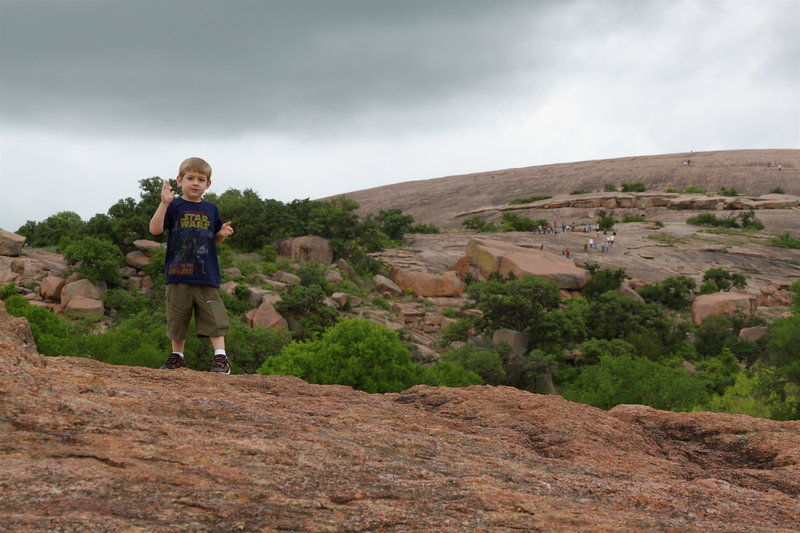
<point>194,184</point>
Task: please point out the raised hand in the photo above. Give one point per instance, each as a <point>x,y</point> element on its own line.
<point>167,194</point>
<point>226,230</point>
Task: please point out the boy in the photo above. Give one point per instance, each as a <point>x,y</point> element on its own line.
<point>191,269</point>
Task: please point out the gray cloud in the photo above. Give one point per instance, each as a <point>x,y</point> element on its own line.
<point>310,98</point>
<point>238,67</point>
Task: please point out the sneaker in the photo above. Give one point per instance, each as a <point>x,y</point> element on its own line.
<point>221,364</point>
<point>174,361</point>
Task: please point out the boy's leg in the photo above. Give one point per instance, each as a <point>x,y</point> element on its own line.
<point>179,313</point>
<point>212,322</point>
<point>178,345</point>
<point>218,343</point>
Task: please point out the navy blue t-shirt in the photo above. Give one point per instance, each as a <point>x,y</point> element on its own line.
<point>191,250</point>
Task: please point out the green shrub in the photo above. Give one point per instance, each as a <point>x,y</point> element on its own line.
<point>127,345</point>
<point>123,304</point>
<point>485,362</point>
<point>381,303</point>
<point>579,191</point>
<point>728,191</point>
<point>479,224</point>
<point>528,199</point>
<point>306,304</point>
<point>777,190</point>
<point>724,280</point>
<point>745,220</point>
<point>610,187</point>
<point>633,187</point>
<point>424,228</point>
<point>694,190</point>
<point>251,347</point>
<point>675,292</point>
<point>515,222</point>
<point>155,268</point>
<point>449,374</point>
<point>635,380</point>
<point>456,331</point>
<point>603,281</point>
<point>268,254</point>
<point>354,352</point>
<point>605,221</point>
<point>97,260</point>
<point>633,218</point>
<point>711,220</point>
<point>53,335</point>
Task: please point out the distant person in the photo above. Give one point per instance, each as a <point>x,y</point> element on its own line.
<point>191,268</point>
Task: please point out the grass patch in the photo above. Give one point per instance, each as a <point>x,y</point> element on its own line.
<point>785,241</point>
<point>667,238</point>
<point>528,199</point>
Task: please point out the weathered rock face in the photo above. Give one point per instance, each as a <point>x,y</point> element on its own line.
<point>754,333</point>
<point>504,257</point>
<point>427,283</point>
<point>386,286</point>
<point>93,447</point>
<point>266,316</point>
<point>516,339</point>
<point>722,303</point>
<point>306,248</point>
<point>17,347</point>
<point>79,288</point>
<point>50,288</point>
<point>80,306</point>
<point>137,259</point>
<point>10,243</point>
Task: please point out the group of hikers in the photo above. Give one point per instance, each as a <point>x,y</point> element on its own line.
<point>601,240</point>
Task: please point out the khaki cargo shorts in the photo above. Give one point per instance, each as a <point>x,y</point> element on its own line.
<point>183,299</point>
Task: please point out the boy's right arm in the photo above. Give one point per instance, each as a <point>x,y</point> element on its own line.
<point>157,222</point>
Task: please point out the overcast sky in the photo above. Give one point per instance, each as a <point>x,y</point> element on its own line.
<point>311,98</point>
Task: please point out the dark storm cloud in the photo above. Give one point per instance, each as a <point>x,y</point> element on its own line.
<point>224,67</point>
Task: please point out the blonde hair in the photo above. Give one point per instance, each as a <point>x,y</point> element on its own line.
<point>196,164</point>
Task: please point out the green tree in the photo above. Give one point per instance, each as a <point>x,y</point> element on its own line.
<point>744,396</point>
<point>449,374</point>
<point>724,280</point>
<point>674,292</point>
<point>515,222</point>
<point>514,304</point>
<point>603,281</point>
<point>486,362</point>
<point>479,224</point>
<point>63,225</point>
<point>249,218</point>
<point>306,305</point>
<point>605,221</point>
<point>783,360</point>
<point>395,224</point>
<point>614,316</point>
<point>628,379</point>
<point>96,259</point>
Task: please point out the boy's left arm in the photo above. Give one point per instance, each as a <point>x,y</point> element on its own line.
<point>224,232</point>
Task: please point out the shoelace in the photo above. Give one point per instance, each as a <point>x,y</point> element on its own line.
<point>220,360</point>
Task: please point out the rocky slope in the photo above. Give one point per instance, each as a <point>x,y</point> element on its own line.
<point>91,447</point>
<point>440,201</point>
